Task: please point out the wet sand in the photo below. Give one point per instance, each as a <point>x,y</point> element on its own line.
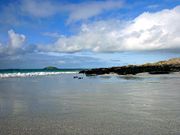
<point>97,105</point>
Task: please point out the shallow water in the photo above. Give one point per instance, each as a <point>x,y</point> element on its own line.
<point>96,105</point>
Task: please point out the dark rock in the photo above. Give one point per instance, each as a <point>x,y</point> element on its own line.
<point>162,67</point>
<point>75,77</point>
<point>159,72</point>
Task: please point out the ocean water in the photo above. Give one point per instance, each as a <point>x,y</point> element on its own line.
<point>58,104</point>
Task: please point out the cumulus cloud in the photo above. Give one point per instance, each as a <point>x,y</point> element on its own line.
<point>148,31</point>
<point>15,40</point>
<point>15,44</point>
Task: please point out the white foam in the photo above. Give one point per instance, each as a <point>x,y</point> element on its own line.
<point>30,74</point>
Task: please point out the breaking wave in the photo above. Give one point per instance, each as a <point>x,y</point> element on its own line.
<point>30,74</point>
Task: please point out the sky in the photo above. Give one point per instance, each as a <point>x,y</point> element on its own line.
<point>87,33</point>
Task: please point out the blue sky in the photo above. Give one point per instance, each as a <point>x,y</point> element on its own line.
<point>87,33</point>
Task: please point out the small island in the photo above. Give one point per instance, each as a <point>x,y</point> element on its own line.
<point>161,67</point>
<point>50,68</point>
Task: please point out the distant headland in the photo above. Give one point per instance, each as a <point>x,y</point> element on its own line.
<point>161,67</point>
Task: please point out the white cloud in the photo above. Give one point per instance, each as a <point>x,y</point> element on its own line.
<point>61,61</point>
<point>52,34</point>
<point>17,12</point>
<point>154,6</point>
<point>14,45</point>
<point>89,9</point>
<point>16,40</point>
<point>148,31</point>
<point>39,8</point>
<point>78,11</point>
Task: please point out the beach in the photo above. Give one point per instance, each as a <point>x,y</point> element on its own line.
<point>95,105</point>
<point>89,67</point>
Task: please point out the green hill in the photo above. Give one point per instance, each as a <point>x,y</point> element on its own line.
<point>50,68</point>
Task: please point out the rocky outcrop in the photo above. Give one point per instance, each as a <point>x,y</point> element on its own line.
<point>162,67</point>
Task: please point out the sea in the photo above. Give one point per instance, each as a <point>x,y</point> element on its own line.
<point>37,102</point>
